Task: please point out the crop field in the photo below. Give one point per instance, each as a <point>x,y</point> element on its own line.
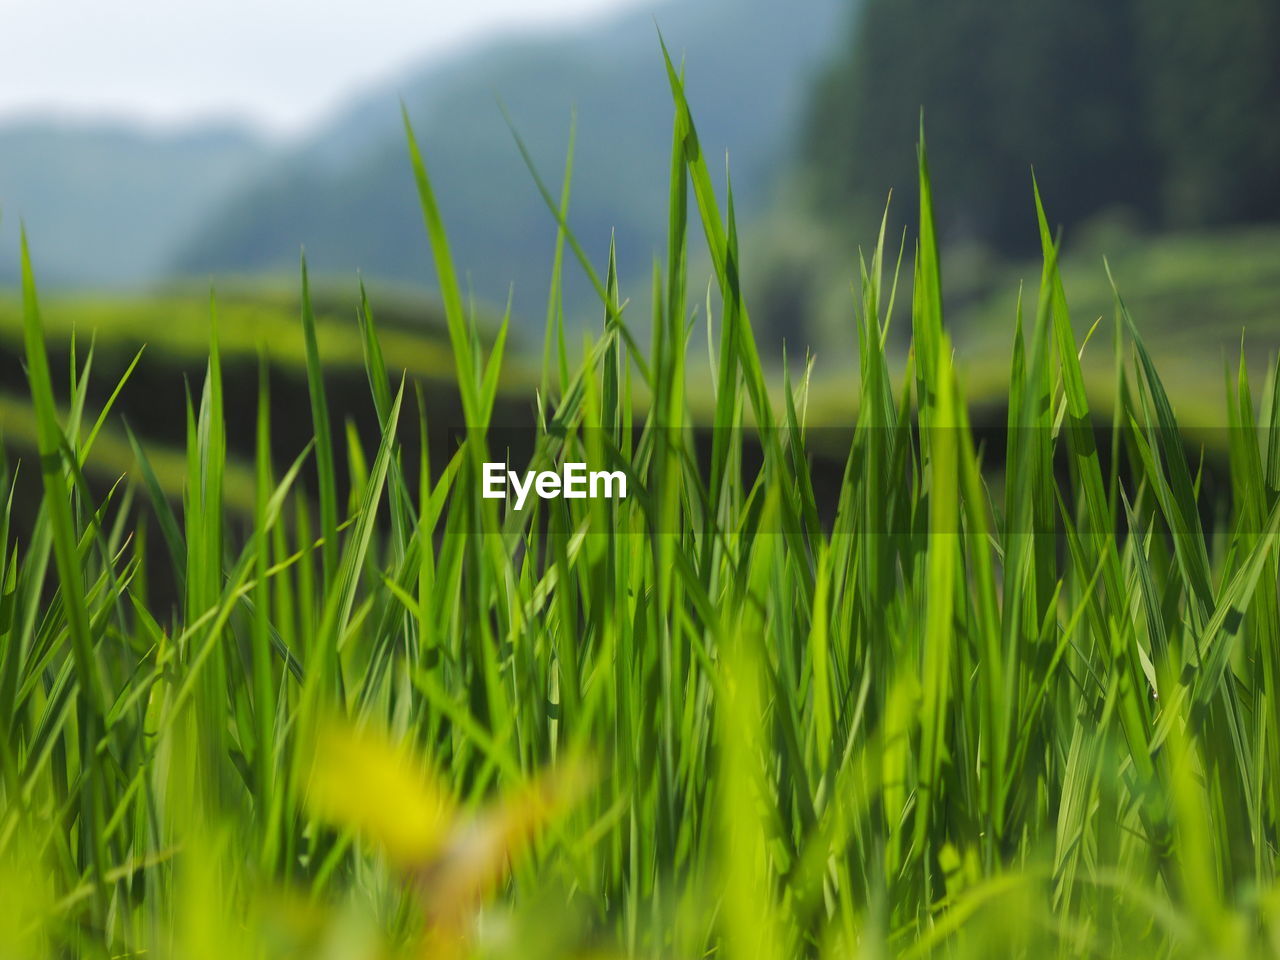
<point>1003,689</point>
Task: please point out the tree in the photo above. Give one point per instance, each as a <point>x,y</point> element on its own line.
<point>1166,108</point>
<point>1212,90</point>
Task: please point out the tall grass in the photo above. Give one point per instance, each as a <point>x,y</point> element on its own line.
<point>1015,701</point>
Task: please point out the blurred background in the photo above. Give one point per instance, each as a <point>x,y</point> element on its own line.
<point>183,142</point>
<point>151,148</point>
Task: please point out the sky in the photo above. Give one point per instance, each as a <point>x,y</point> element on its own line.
<point>277,64</point>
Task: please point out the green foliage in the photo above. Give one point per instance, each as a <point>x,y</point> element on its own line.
<point>1164,111</point>
<point>922,720</point>
<point>1212,90</point>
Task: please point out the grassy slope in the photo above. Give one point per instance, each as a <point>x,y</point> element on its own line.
<point>256,322</point>
<point>176,328</point>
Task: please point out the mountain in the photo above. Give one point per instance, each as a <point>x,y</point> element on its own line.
<point>347,193</point>
<point>106,205</point>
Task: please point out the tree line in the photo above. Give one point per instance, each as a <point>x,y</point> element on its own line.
<point>1164,111</point>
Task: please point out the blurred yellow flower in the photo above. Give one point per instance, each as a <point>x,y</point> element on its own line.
<point>362,781</point>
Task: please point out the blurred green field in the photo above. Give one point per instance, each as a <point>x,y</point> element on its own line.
<point>256,325</point>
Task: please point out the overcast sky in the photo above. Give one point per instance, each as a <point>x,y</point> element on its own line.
<point>277,63</point>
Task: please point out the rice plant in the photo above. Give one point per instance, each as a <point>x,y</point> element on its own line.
<point>1013,698</point>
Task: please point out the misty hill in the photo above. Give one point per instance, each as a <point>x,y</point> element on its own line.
<point>106,205</point>
<point>347,192</point>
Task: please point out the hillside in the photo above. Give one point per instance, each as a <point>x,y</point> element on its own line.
<point>1160,112</point>
<point>347,194</point>
<point>106,204</point>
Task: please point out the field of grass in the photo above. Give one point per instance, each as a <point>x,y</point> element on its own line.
<point>993,699</point>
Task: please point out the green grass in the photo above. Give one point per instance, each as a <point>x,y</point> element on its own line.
<point>962,710</point>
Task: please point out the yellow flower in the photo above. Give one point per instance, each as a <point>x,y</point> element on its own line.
<point>362,781</point>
